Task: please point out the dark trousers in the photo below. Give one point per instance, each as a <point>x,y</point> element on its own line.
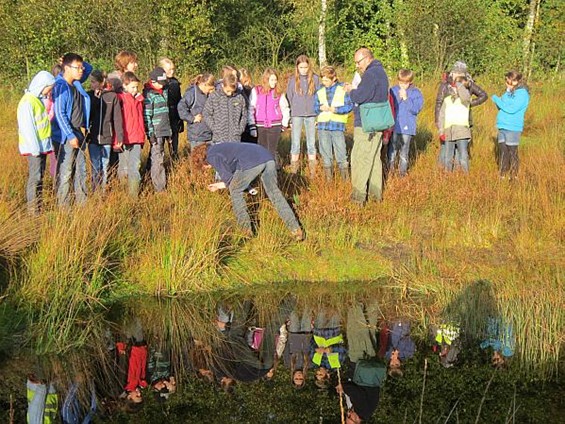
<point>269,139</point>
<point>508,159</point>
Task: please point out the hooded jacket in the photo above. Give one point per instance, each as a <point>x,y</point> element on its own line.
<point>132,117</point>
<point>106,126</point>
<point>226,116</point>
<point>192,104</point>
<point>512,108</point>
<point>156,112</point>
<point>34,127</point>
<point>62,129</point>
<point>478,97</point>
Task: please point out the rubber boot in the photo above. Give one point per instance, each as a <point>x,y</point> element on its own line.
<point>328,172</point>
<point>344,172</point>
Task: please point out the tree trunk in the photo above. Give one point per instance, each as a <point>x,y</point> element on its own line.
<point>322,34</point>
<point>527,52</point>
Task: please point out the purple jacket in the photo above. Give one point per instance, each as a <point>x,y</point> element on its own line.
<point>406,110</point>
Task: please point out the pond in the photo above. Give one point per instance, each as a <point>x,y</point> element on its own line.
<point>291,353</point>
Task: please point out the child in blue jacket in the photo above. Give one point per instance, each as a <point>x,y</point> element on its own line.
<point>512,107</point>
<point>408,102</point>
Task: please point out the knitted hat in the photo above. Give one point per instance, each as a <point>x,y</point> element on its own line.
<point>158,75</point>
<point>459,67</point>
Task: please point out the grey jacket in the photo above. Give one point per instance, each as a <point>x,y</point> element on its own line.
<point>301,104</point>
<point>478,97</point>
<point>191,105</point>
<point>225,116</point>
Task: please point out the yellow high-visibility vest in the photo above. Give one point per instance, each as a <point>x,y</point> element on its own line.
<point>41,118</point>
<point>337,101</point>
<point>333,358</point>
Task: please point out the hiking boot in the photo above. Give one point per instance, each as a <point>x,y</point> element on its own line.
<point>328,172</point>
<point>294,165</point>
<point>298,234</point>
<point>344,172</point>
<point>312,167</point>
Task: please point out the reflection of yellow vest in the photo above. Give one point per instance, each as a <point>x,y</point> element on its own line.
<point>40,116</point>
<point>456,113</point>
<point>447,333</point>
<point>51,404</point>
<point>337,101</point>
<point>333,358</point>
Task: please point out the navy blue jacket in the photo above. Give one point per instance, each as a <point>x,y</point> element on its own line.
<point>373,88</point>
<point>226,158</point>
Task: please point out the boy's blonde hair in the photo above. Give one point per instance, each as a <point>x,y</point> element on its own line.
<point>165,61</point>
<point>405,75</point>
<point>328,72</point>
<point>230,81</point>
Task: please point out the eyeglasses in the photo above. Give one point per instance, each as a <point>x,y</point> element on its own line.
<point>357,62</point>
<point>78,68</point>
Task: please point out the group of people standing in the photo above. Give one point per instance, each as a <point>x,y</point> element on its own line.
<point>113,120</point>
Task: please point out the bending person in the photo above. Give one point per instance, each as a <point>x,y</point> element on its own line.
<point>238,164</point>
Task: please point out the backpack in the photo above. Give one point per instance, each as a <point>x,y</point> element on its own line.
<point>369,373</point>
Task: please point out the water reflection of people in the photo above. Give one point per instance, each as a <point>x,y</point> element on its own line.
<point>499,338</point>
<point>297,352</point>
<point>400,348</point>
<point>327,348</point>
<point>42,401</point>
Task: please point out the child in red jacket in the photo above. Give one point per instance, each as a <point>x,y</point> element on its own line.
<point>134,133</point>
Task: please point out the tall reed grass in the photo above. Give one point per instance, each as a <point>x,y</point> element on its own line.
<point>432,237</point>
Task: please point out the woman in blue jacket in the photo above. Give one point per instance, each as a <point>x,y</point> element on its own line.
<point>512,106</point>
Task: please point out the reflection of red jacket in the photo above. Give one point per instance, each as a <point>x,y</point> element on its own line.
<point>132,112</point>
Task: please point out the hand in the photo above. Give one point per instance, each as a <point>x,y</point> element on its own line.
<point>74,143</point>
<point>198,118</point>
<point>253,131</point>
<point>325,108</point>
<point>216,186</point>
<point>347,87</point>
<point>339,389</point>
<point>402,93</point>
<point>118,147</point>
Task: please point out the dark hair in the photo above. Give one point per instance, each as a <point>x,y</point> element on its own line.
<point>206,78</point>
<point>98,75</point>
<point>69,58</point>
<point>128,77</point>
<point>405,75</point>
<point>514,75</point>
<point>57,69</point>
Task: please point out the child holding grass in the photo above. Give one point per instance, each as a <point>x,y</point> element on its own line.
<point>408,102</point>
<point>512,106</point>
<point>34,128</point>
<point>134,133</point>
<point>332,104</point>
<point>157,124</point>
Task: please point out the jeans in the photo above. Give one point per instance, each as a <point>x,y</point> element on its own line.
<point>36,167</point>
<point>69,161</point>
<point>336,140</point>
<point>462,154</point>
<point>399,146</point>
<point>128,167</point>
<point>100,163</point>
<point>366,165</point>
<point>299,324</point>
<point>296,133</point>
<point>268,173</point>
<point>157,156</point>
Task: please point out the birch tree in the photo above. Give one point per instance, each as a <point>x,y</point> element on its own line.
<point>322,57</point>
<point>528,44</point>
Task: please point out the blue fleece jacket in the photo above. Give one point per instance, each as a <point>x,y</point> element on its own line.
<point>512,107</point>
<point>406,110</point>
<point>61,127</point>
<point>226,158</point>
<point>373,88</point>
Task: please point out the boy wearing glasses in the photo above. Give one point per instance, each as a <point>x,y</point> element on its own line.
<point>71,104</point>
